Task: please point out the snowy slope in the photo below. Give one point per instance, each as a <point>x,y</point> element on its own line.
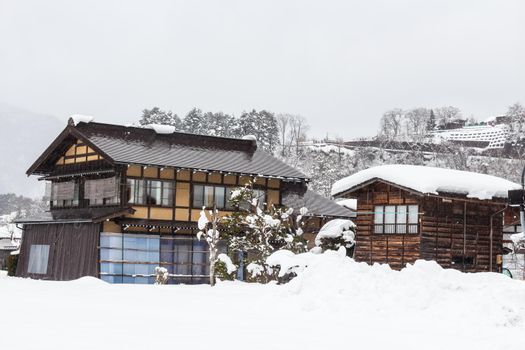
<point>334,304</point>
<point>23,137</point>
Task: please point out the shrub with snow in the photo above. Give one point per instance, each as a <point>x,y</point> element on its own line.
<point>224,268</point>
<point>335,234</point>
<point>161,275</point>
<point>261,231</point>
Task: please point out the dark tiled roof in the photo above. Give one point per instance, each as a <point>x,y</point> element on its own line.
<point>77,214</point>
<point>132,145</point>
<point>316,204</point>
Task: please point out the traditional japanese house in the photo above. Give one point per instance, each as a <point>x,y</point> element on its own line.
<point>124,200</point>
<point>406,212</point>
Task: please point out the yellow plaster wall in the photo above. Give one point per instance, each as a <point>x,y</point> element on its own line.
<point>199,176</point>
<point>181,214</point>
<point>134,170</point>
<point>151,172</point>
<point>273,197</point>
<point>183,175</point>
<point>214,178</point>
<point>274,183</point>
<point>168,174</point>
<point>182,194</point>
<point>161,213</point>
<point>111,226</point>
<point>140,212</point>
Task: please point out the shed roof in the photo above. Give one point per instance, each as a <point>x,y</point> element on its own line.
<point>430,180</point>
<point>120,144</point>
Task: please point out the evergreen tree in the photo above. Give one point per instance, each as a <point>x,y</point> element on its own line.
<point>195,122</point>
<point>431,125</point>
<point>158,116</point>
<point>262,231</point>
<point>262,125</point>
<point>220,124</point>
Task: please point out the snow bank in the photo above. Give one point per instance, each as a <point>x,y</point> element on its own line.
<point>79,118</point>
<point>431,180</point>
<point>423,291</point>
<point>337,228</point>
<point>333,303</point>
<point>161,129</point>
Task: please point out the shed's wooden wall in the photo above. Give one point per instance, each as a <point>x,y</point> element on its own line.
<point>395,250</point>
<point>460,228</point>
<point>448,228</point>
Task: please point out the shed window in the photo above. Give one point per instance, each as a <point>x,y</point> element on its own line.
<point>396,219</point>
<point>38,258</point>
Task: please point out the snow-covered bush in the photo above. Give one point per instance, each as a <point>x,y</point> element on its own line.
<point>224,268</point>
<point>335,234</point>
<point>161,275</point>
<point>261,231</point>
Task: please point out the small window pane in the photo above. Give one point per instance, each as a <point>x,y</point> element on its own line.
<point>110,254</point>
<point>167,194</point>
<point>208,196</point>
<point>401,219</point>
<point>155,191</point>
<point>413,214</point>
<point>390,214</point>
<point>198,196</point>
<point>38,258</point>
<point>111,240</point>
<point>220,196</point>
<point>378,214</point>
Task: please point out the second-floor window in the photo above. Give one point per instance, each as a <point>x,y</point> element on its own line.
<point>396,219</point>
<point>65,194</point>
<point>102,191</point>
<point>150,192</point>
<point>208,196</point>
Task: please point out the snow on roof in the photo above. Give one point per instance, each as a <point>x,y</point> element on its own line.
<point>431,180</point>
<point>79,118</point>
<point>349,203</point>
<point>161,129</point>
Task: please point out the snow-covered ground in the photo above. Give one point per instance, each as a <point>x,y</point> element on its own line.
<point>334,303</point>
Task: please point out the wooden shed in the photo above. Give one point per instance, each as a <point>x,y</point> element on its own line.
<point>406,212</point>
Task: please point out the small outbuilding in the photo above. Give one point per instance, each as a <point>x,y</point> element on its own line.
<point>407,212</point>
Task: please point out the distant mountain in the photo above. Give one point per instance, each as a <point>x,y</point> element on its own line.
<point>23,137</point>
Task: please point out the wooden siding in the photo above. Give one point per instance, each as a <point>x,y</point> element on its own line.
<point>449,229</point>
<point>72,250</point>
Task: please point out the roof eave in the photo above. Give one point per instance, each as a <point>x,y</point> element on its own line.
<point>69,130</point>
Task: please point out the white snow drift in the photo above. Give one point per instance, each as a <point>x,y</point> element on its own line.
<point>333,303</point>
<point>430,180</point>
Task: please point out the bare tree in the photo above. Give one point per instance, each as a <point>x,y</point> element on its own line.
<point>417,120</point>
<point>298,128</point>
<point>282,122</point>
<point>391,123</point>
<point>446,114</point>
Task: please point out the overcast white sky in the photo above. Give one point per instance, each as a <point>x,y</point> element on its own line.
<point>340,64</point>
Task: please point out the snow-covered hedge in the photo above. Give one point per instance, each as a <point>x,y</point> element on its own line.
<point>335,234</point>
